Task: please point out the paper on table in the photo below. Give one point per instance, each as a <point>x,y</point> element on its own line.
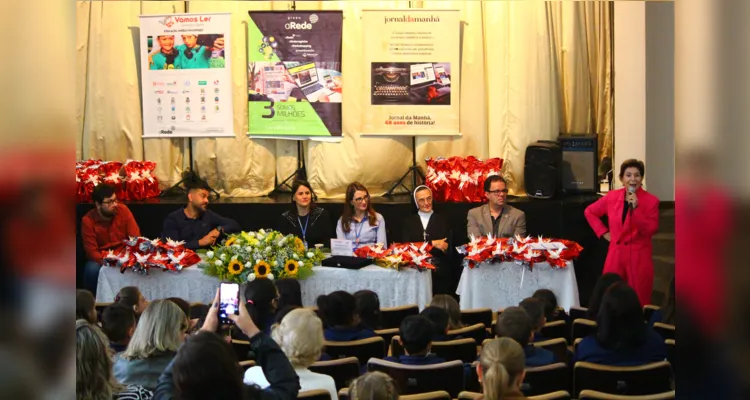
<point>547,246</point>
<point>341,247</point>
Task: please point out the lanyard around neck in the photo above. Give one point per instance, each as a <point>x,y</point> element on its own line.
<point>304,230</point>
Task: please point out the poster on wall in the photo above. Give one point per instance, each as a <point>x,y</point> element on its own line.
<point>412,72</point>
<point>186,75</point>
<point>294,74</point>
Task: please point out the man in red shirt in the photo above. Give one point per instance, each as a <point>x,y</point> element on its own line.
<point>104,228</point>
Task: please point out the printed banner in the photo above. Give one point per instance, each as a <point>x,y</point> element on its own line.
<point>412,70</point>
<point>186,75</point>
<point>294,85</point>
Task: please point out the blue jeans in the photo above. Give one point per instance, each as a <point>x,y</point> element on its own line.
<point>91,275</point>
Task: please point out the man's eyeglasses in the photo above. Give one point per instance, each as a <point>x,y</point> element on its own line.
<point>108,202</point>
<point>498,191</point>
<point>361,199</point>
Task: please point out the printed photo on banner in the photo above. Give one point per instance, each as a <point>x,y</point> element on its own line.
<point>186,51</point>
<point>292,81</point>
<point>411,83</point>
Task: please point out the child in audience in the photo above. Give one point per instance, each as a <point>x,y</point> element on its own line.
<point>340,318</point>
<point>290,293</point>
<point>416,334</point>
<point>439,319</point>
<point>450,305</point>
<point>185,307</point>
<point>516,324</point>
<point>622,338</point>
<point>551,310</point>
<point>118,323</point>
<point>132,297</point>
<point>373,386</point>
<point>85,306</point>
<point>262,299</point>
<point>501,370</point>
<point>368,308</point>
<point>535,310</point>
<point>602,284</point>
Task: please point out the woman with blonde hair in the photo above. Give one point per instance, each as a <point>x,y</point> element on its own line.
<point>450,305</point>
<point>373,386</point>
<point>94,378</point>
<point>501,369</point>
<point>159,333</point>
<point>300,336</point>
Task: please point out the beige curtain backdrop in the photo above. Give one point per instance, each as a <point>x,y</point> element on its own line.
<point>529,70</point>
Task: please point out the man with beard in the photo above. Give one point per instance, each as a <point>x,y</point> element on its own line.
<point>195,224</point>
<point>104,228</point>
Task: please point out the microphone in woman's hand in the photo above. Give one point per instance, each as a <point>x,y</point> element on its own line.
<point>631,190</point>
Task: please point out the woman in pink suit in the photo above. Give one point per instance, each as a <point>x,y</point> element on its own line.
<point>633,216</point>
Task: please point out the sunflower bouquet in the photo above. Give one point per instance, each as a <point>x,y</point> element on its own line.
<point>246,256</point>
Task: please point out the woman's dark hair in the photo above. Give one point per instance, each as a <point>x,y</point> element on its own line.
<point>492,179</point>
<point>549,299</point>
<point>337,308</point>
<point>368,308</point>
<point>620,324</point>
<point>348,214</point>
<point>260,295</point>
<point>101,192</point>
<point>632,163</point>
<point>206,367</point>
<point>290,293</point>
<point>183,304</point>
<point>604,282</point>
<point>85,305</point>
<point>128,296</point>
<point>668,309</point>
<point>302,183</point>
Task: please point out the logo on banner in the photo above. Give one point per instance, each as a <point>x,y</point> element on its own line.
<point>171,21</point>
<point>302,25</point>
<point>202,83</point>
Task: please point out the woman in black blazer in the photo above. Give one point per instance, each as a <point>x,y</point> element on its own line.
<point>426,225</point>
<point>305,219</point>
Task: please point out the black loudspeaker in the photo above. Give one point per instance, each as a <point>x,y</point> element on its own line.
<point>580,164</point>
<point>541,171</point>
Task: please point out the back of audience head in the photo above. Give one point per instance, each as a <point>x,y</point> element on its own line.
<point>620,323</point>
<point>262,297</point>
<point>373,386</point>
<point>338,309</point>
<point>118,323</point>
<point>416,333</point>
<point>290,293</point>
<point>439,318</point>
<point>548,298</point>
<point>185,307</point>
<point>300,336</point>
<point>132,297</point>
<point>501,367</point>
<point>94,377</point>
<point>535,310</point>
<point>514,323</point>
<point>368,308</point>
<point>160,329</point>
<point>206,368</point>
<point>85,306</point>
<point>602,284</point>
<point>450,305</point>
<point>283,312</point>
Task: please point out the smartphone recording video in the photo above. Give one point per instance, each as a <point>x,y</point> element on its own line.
<point>229,302</point>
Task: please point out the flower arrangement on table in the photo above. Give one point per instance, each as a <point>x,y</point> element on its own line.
<point>524,251</point>
<point>246,256</point>
<point>399,255</point>
<point>141,254</point>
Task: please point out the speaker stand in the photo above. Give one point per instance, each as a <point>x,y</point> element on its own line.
<point>413,170</point>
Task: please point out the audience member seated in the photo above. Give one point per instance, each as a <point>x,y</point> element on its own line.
<point>195,224</point>
<point>104,228</point>
<point>602,284</point>
<point>131,297</point>
<point>159,333</point>
<point>516,324</point>
<point>118,323</point>
<point>665,314</point>
<point>340,318</point>
<point>206,368</point>
<point>368,308</point>
<point>439,318</point>
<point>551,310</point>
<point>305,219</point>
<point>535,310</point>
<point>94,378</point>
<point>262,298</point>
<point>185,307</point>
<point>290,293</point>
<point>300,336</point>
<point>373,386</point>
<point>85,306</point>
<point>450,305</point>
<point>416,334</point>
<point>359,222</point>
<point>622,338</point>
<point>501,369</point>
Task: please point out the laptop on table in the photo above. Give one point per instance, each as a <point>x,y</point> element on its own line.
<point>307,78</point>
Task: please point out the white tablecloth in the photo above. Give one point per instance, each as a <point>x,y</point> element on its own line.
<point>394,288</point>
<point>505,284</point>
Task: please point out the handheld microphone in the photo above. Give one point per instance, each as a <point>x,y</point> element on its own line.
<point>631,190</point>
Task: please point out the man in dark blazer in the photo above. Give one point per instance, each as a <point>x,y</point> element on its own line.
<point>496,217</point>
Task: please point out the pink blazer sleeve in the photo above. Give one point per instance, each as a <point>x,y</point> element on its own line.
<point>594,213</point>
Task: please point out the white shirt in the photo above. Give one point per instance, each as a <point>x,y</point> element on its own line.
<point>425,217</point>
<point>308,380</point>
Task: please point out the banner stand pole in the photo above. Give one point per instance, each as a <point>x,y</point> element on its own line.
<point>414,171</point>
<point>299,173</point>
<point>188,175</point>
